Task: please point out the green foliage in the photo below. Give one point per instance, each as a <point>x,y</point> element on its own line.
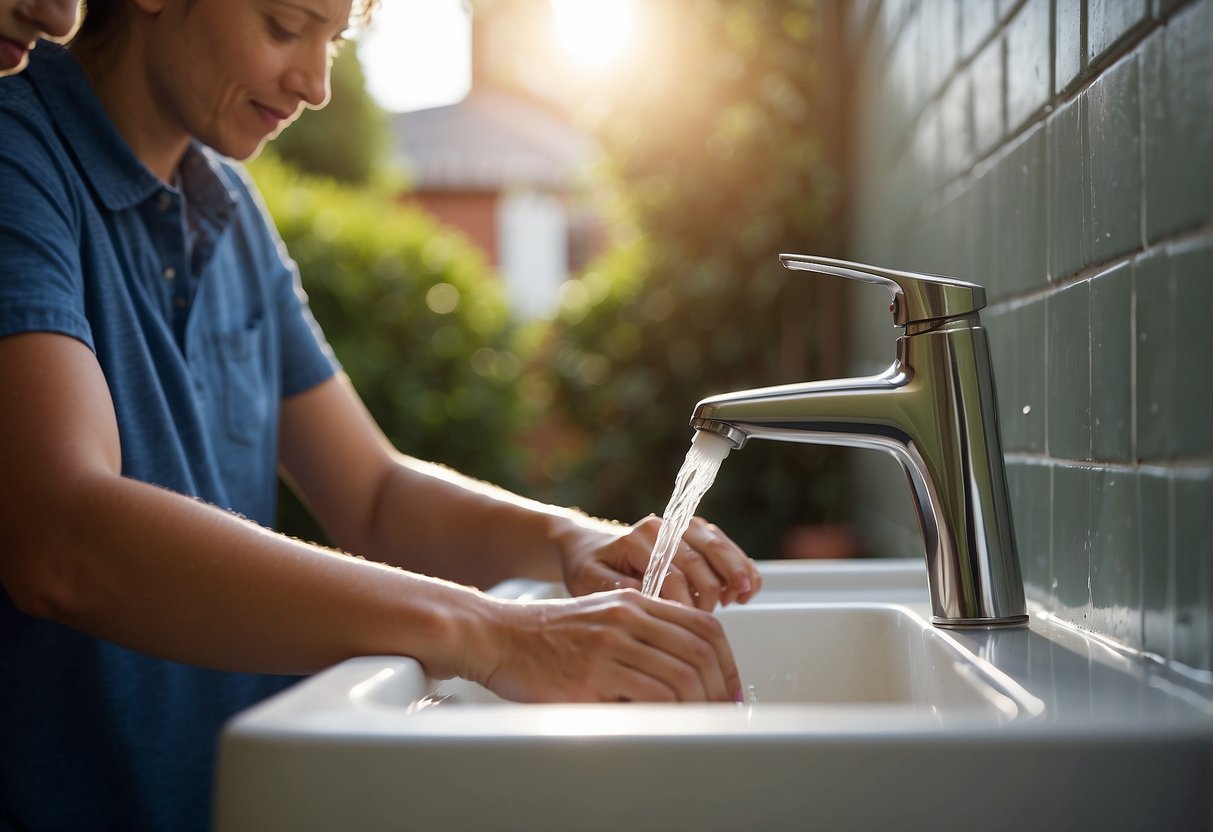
<point>348,139</point>
<point>416,317</point>
<point>719,151</point>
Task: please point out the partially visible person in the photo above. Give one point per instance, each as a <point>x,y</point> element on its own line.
<point>158,367</point>
<point>22,22</point>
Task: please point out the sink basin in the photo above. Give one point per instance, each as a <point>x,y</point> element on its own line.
<point>863,716</point>
<point>842,654</point>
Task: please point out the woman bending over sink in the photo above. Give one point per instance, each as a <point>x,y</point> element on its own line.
<point>159,365</point>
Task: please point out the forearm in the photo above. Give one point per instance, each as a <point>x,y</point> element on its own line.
<point>173,577</point>
<point>436,521</point>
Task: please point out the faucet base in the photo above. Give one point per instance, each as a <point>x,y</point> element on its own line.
<point>980,623</point>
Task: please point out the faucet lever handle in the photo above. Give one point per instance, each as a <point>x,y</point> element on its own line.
<point>916,297</point>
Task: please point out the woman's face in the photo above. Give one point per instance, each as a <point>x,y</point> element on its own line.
<point>234,73</point>
<point>22,22</point>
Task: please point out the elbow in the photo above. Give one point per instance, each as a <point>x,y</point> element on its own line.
<point>41,585</point>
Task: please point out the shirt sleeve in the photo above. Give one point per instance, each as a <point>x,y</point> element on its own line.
<point>41,278</point>
<point>307,358</point>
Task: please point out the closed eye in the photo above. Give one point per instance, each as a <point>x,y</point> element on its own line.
<point>279,32</point>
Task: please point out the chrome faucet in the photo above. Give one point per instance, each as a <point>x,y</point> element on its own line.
<point>934,411</point>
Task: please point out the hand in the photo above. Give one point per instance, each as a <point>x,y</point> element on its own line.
<point>610,647</point>
<point>708,567</point>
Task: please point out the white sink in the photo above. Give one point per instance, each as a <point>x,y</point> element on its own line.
<point>845,655</point>
<point>866,717</point>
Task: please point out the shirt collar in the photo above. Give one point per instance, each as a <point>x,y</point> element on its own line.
<point>117,175</point>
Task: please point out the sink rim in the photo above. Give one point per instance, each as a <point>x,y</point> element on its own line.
<point>375,699</point>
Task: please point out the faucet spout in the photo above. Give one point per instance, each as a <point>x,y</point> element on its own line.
<point>934,411</point>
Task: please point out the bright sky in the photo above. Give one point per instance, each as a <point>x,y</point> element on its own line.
<point>418,52</point>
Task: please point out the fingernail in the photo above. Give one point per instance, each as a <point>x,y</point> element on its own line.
<point>744,585</point>
<point>739,696</point>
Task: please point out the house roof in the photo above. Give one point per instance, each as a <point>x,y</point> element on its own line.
<point>491,140</point>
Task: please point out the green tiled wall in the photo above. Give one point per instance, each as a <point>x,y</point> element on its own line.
<point>1060,152</point>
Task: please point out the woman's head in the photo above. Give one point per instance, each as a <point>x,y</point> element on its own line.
<point>230,73</point>
<point>22,22</point>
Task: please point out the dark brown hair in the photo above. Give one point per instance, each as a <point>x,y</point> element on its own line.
<point>102,19</point>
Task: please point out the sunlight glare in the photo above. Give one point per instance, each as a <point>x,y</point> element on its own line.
<point>418,55</point>
<point>593,32</point>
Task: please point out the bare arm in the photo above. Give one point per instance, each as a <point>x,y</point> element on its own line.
<point>424,517</point>
<point>401,510</point>
<point>167,575</point>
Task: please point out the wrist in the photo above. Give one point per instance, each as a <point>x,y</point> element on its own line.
<point>568,532</point>
<point>470,638</point>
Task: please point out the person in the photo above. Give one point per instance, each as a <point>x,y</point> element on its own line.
<point>159,364</point>
<point>22,22</point>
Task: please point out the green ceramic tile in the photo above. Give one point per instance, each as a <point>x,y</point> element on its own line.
<point>1173,294</point>
<point>1113,138</point>
<point>1112,365</point>
<point>985,205</point>
<point>1022,250</point>
<point>1069,53</point>
<point>1069,373</point>
<point>1116,579</point>
<point>1165,7</point>
<point>966,250</point>
<point>1069,208</point>
<point>1154,542</point>
<point>1029,62</point>
<point>957,138</point>
<point>1191,419</point>
<point>977,20</point>
<point>1031,369</point>
<point>1154,323</point>
<point>1177,87</point>
<point>986,73</point>
<point>1001,337</point>
<point>1194,569</point>
<point>1031,509</point>
<point>1071,560</point>
<point>1016,340</point>
<point>942,40</point>
<point>1108,21</point>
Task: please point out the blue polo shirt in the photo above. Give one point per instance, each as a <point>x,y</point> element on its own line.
<point>197,318</point>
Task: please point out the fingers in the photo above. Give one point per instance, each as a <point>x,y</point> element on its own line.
<point>708,568</point>
<point>713,568</point>
<point>614,646</point>
<point>698,639</point>
<point>679,648</point>
<point>692,581</point>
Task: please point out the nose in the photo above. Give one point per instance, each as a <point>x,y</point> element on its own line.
<point>55,18</point>
<point>309,77</point>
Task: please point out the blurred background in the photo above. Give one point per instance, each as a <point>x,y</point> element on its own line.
<point>537,232</point>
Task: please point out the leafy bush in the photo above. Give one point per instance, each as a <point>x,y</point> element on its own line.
<point>416,317</point>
